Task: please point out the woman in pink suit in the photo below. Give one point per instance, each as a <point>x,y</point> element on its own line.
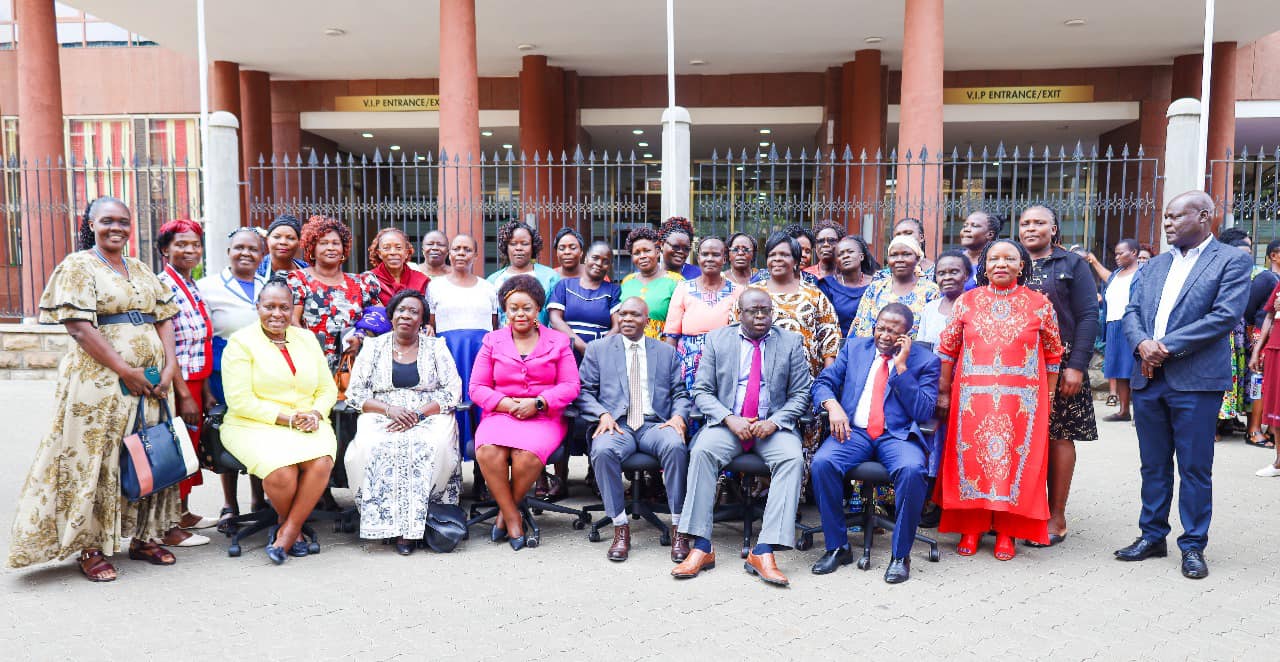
<point>524,378</point>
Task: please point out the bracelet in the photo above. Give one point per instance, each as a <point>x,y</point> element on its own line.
<point>291,420</point>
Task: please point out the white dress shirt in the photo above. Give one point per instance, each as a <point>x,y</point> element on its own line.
<point>647,394</point>
<point>745,349</point>
<point>1178,272</point>
<point>862,414</point>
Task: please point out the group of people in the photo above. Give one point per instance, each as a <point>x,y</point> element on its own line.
<point>988,344</point>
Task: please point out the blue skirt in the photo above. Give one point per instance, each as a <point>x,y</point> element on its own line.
<point>1117,361</point>
<point>464,345</point>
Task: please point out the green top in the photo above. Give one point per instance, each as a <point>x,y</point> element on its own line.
<point>657,294</point>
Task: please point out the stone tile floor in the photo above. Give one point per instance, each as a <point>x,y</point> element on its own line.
<point>358,599</point>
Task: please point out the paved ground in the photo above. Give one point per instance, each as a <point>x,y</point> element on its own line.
<point>360,600</point>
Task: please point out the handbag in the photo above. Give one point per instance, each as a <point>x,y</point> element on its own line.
<point>446,527</point>
<point>155,457</point>
<point>342,375</point>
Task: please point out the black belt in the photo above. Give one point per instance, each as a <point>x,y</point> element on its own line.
<point>132,317</point>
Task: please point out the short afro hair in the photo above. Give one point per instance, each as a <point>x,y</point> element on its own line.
<point>319,226</point>
<point>643,234</point>
<point>374,259</point>
<point>523,283</point>
<point>508,229</point>
<point>828,224</point>
<point>408,293</point>
<point>675,225</point>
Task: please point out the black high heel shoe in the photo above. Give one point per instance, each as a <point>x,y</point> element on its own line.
<point>405,547</point>
<point>519,543</point>
<point>497,534</point>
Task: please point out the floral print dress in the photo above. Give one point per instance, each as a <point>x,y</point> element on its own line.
<point>71,499</point>
<point>328,311</point>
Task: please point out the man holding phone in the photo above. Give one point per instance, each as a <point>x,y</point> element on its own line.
<point>890,391</point>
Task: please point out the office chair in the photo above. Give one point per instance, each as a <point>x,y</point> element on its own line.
<point>637,506</point>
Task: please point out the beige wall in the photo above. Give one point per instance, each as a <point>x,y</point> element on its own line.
<point>114,81</point>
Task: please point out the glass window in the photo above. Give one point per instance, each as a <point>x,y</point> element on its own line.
<point>105,34</point>
<point>62,11</point>
<point>71,34</point>
<point>6,10</point>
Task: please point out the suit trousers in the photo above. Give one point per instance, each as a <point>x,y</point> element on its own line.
<point>1177,424</point>
<point>905,462</point>
<point>713,449</point>
<point>608,451</point>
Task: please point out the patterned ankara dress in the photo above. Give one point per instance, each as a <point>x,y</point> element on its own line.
<point>1004,344</point>
<point>328,310</point>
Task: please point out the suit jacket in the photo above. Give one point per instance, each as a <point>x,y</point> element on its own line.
<point>549,371</point>
<point>909,397</point>
<point>605,387</point>
<point>1210,304</point>
<point>786,372</point>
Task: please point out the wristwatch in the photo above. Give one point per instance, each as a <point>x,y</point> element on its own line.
<point>539,404</point>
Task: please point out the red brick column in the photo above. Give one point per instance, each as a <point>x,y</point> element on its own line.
<point>460,120</point>
<point>1222,125</point>
<point>920,126</point>
<point>255,137</point>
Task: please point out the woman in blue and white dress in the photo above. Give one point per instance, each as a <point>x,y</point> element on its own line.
<point>231,298</point>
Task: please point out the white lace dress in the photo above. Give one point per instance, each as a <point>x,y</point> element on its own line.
<point>397,476</point>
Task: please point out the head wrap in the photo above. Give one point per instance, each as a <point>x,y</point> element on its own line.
<point>286,220</point>
<point>909,242</point>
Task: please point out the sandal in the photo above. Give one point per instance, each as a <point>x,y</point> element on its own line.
<point>1112,400</point>
<point>97,570</point>
<point>225,526</point>
<point>151,553</point>
<point>1261,440</point>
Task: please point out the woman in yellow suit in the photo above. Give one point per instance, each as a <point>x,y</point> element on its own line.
<point>279,392</point>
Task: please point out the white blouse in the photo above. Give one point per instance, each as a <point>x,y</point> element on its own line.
<point>462,307</point>
<point>228,306</point>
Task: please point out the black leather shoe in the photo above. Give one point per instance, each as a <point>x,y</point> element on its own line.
<point>832,560</point>
<point>899,571</point>
<point>1193,565</point>
<point>497,534</point>
<point>518,544</point>
<point>1142,549</point>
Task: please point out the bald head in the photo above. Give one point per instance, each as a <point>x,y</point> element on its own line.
<point>1188,219</point>
<point>633,315</point>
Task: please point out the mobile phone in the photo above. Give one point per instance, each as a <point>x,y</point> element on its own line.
<point>151,373</point>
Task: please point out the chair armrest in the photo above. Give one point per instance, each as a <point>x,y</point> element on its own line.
<point>343,407</point>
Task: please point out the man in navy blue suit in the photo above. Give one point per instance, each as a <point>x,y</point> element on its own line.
<point>877,394</point>
<point>1182,308</point>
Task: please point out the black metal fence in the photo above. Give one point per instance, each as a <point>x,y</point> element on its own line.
<point>1246,188</point>
<point>1098,198</point>
<point>41,203</point>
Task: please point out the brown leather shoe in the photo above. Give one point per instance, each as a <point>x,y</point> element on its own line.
<point>696,562</point>
<point>679,546</point>
<point>621,543</point>
<point>766,568</point>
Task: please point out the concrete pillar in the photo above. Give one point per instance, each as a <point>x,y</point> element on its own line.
<point>255,136</point>
<point>868,97</point>
<point>222,208</point>
<point>675,163</point>
<point>460,120</point>
<point>536,140</point>
<point>46,232</point>
<point>920,126</point>
<point>1186,76</point>
<point>1181,149</point>
<point>1222,127</point>
<point>224,87</point>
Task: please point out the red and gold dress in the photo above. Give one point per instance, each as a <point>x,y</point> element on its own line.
<point>1004,344</point>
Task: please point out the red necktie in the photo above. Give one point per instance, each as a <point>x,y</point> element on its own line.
<point>875,421</point>
<point>751,399</point>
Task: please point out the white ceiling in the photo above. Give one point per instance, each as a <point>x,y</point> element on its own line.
<point>400,38</point>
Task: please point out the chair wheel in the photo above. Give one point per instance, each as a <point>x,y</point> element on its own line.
<point>864,563</point>
<point>804,544</point>
<point>579,525</point>
<point>233,551</point>
<point>536,511</point>
<point>664,539</point>
<point>935,555</point>
<point>593,536</point>
<point>313,548</point>
<point>533,541</point>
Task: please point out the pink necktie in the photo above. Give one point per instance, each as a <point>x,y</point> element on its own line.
<point>751,399</point>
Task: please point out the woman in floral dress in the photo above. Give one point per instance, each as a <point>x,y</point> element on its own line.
<point>329,301</point>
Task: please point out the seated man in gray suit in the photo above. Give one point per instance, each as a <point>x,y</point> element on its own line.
<point>634,386</point>
<point>752,385</point>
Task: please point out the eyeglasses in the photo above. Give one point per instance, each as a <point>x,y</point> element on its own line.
<point>757,312</point>
<point>828,240</point>
<point>740,250</point>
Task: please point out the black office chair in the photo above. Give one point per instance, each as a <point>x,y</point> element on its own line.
<point>747,465</point>
<point>345,520</point>
<point>216,458</point>
<point>483,511</point>
<point>872,475</point>
<point>637,506</point>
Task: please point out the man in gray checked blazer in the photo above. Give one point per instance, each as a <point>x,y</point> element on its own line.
<point>752,385</point>
<point>650,420</point>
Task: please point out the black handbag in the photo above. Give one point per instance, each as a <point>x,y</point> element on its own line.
<point>446,527</point>
<point>154,458</point>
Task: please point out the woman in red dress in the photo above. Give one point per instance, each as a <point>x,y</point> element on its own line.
<point>1004,336</point>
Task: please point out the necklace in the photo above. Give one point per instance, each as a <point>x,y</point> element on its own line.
<point>400,355</point>
<point>124,273</point>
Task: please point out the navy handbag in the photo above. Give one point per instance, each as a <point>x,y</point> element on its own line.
<point>153,458</point>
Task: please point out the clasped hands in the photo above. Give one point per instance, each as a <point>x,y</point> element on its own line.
<point>746,429</point>
<point>304,421</point>
<point>1153,354</point>
<point>403,418</point>
<point>608,424</point>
